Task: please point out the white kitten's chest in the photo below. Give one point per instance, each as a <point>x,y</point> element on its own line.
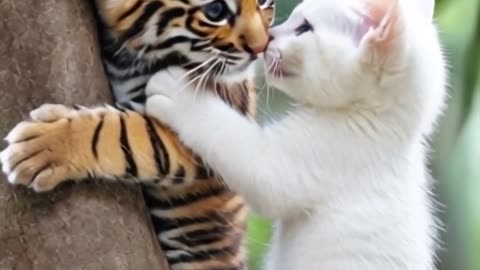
<point>368,210</point>
<point>356,232</point>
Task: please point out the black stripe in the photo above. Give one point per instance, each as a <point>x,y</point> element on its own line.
<point>169,43</point>
<point>123,105</point>
<point>244,98</point>
<point>233,57</point>
<point>228,47</point>
<point>204,236</point>
<point>171,203</point>
<point>131,10</point>
<point>171,59</point>
<point>190,25</point>
<point>140,68</point>
<point>162,159</point>
<point>204,240</point>
<point>140,87</point>
<point>201,46</point>
<point>239,267</point>
<point>140,98</point>
<point>162,224</point>
<point>203,173</point>
<point>207,233</point>
<point>139,24</point>
<point>206,255</point>
<point>248,49</point>
<point>96,136</point>
<point>179,176</point>
<point>167,16</point>
<point>131,169</point>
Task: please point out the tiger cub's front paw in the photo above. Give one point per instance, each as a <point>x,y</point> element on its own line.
<point>42,153</point>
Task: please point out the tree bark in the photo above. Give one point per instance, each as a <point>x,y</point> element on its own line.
<point>49,54</point>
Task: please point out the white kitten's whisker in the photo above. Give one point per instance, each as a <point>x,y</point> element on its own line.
<point>278,67</point>
<point>266,86</point>
<point>268,97</point>
<point>270,70</point>
<point>271,64</point>
<point>276,64</point>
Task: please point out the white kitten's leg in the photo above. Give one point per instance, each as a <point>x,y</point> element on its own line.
<point>238,149</point>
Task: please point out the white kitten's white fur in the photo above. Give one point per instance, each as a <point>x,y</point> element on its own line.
<point>344,174</point>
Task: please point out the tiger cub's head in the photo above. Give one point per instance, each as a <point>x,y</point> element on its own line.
<point>221,36</point>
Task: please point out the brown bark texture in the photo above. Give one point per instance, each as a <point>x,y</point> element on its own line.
<point>49,54</point>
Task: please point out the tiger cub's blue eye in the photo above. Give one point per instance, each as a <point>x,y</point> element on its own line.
<point>261,2</point>
<point>215,11</point>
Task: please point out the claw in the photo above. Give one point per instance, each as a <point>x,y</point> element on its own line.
<point>12,177</point>
<point>50,112</point>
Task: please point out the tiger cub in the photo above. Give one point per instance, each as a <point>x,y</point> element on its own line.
<point>140,38</point>
<point>199,222</point>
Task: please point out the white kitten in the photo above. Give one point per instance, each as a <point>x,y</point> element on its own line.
<point>344,173</point>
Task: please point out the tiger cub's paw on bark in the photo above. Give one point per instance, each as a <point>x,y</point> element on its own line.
<point>49,149</point>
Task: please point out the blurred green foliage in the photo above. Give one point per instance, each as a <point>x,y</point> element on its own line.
<point>455,159</point>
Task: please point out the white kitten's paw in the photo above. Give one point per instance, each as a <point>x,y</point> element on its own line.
<point>167,82</point>
<point>161,107</point>
<point>169,97</point>
<point>175,102</point>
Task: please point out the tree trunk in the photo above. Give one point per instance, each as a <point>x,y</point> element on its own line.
<point>49,54</point>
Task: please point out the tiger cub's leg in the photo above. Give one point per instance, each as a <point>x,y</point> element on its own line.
<point>62,143</point>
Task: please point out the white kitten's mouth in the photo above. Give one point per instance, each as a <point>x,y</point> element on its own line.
<point>274,66</point>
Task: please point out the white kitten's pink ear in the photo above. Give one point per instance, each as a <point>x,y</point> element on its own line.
<point>384,37</point>
<point>384,21</point>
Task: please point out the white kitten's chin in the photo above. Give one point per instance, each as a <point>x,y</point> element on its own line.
<point>277,71</point>
<point>280,82</point>
<point>280,72</point>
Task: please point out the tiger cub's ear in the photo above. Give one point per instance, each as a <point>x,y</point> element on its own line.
<point>267,8</point>
<point>113,11</point>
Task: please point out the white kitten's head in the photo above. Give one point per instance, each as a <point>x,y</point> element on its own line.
<point>332,53</point>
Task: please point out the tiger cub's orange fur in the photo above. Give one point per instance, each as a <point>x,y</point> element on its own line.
<point>200,222</point>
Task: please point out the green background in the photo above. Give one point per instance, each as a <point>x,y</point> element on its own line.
<point>455,161</point>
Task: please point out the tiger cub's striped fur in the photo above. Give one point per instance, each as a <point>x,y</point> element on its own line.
<point>200,223</point>
<point>141,37</point>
